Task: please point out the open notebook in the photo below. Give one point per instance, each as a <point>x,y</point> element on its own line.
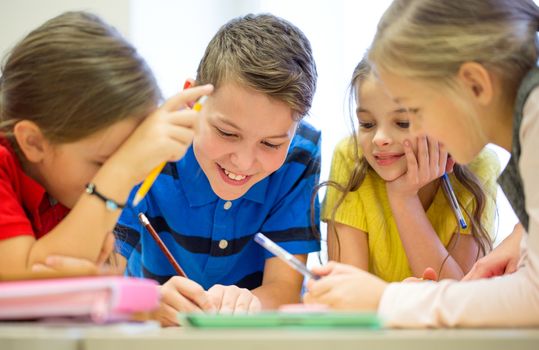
<point>99,298</point>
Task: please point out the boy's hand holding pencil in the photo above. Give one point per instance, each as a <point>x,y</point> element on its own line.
<point>180,294</point>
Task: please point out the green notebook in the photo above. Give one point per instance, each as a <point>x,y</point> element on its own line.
<point>282,319</point>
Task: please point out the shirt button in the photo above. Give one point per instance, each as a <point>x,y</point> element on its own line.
<point>228,205</point>
<point>223,244</point>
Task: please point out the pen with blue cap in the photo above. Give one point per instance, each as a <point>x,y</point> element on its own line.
<point>446,185</point>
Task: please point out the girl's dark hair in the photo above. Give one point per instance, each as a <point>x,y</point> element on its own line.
<point>73,76</point>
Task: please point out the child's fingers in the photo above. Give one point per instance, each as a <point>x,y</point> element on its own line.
<point>166,315</point>
<point>307,298</point>
<point>71,265</point>
<point>318,303</point>
<point>41,268</point>
<point>310,298</point>
<point>422,154</point>
<point>476,272</point>
<point>182,138</point>
<point>411,161</point>
<point>243,301</point>
<point>255,306</point>
<point>332,268</point>
<point>181,99</point>
<point>186,118</point>
<point>318,288</point>
<point>179,302</point>
<point>106,249</point>
<point>324,298</point>
<point>430,274</point>
<point>215,293</point>
<point>434,156</point>
<point>442,161</point>
<point>230,297</point>
<point>324,269</point>
<point>185,295</point>
<point>181,134</point>
<point>450,164</point>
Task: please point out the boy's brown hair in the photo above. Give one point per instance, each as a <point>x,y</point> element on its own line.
<point>73,76</point>
<point>265,53</point>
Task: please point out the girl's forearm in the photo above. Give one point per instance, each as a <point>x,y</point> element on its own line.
<point>82,232</point>
<point>421,243</point>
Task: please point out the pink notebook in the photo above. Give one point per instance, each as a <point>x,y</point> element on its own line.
<point>100,298</point>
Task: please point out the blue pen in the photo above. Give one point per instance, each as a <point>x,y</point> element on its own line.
<point>284,255</point>
<point>446,184</point>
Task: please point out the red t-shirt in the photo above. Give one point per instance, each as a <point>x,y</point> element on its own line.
<point>25,208</point>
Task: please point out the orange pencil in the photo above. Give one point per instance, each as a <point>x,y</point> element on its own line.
<point>146,223</point>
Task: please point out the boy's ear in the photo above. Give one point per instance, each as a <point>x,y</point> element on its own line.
<point>478,81</point>
<point>31,140</point>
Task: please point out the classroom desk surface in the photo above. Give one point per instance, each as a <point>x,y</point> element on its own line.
<point>149,336</point>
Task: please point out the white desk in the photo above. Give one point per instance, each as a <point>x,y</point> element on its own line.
<point>150,336</point>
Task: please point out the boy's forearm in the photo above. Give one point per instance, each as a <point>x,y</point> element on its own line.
<point>274,294</point>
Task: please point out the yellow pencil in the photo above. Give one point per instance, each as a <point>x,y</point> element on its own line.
<point>150,179</point>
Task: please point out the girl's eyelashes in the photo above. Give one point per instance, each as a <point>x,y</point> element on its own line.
<point>366,125</point>
<point>404,124</point>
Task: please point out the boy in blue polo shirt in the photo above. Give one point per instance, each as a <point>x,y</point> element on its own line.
<point>251,168</point>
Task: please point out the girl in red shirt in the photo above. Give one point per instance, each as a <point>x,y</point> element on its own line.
<point>79,127</point>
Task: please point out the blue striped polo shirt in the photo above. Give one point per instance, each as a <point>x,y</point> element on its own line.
<point>212,239</point>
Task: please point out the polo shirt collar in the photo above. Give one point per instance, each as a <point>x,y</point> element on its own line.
<point>197,188</point>
<point>257,193</point>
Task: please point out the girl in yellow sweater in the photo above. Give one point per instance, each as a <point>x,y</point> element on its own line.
<point>385,207</point>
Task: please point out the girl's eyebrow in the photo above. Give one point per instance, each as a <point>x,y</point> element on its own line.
<point>398,100</point>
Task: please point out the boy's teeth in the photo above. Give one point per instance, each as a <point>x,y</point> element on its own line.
<point>234,176</point>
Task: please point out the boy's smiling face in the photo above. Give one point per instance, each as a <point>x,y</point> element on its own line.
<point>243,137</point>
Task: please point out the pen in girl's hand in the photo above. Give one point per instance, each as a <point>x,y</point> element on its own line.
<point>284,255</point>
